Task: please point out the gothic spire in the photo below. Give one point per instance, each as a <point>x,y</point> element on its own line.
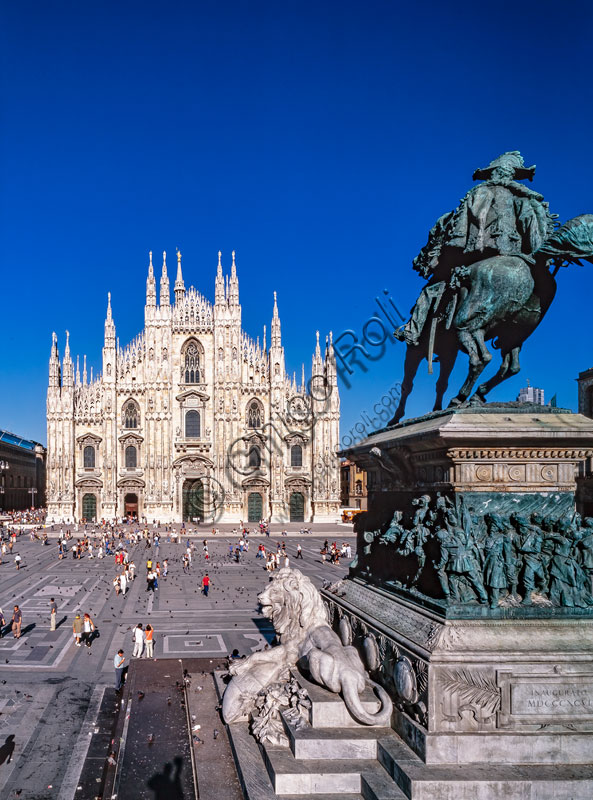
<point>317,360</point>
<point>233,284</point>
<point>165,296</point>
<point>78,370</point>
<point>219,283</point>
<point>84,380</point>
<point>179,287</point>
<point>54,363</point>
<point>276,336</point>
<point>109,325</point>
<point>150,283</point>
<point>67,365</point>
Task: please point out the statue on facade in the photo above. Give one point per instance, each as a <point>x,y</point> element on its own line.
<point>490,267</point>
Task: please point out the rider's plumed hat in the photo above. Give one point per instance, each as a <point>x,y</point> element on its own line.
<point>512,159</point>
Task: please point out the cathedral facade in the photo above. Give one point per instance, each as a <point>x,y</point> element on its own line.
<point>193,419</point>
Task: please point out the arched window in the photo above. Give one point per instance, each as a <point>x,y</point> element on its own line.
<point>192,424</point>
<point>191,362</point>
<point>254,457</point>
<point>131,457</point>
<point>131,414</point>
<point>89,457</point>
<point>358,487</point>
<point>296,456</point>
<point>254,415</point>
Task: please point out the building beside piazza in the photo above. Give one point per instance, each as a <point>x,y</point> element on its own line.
<point>193,419</point>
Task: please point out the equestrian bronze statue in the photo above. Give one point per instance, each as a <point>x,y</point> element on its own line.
<point>490,267</point>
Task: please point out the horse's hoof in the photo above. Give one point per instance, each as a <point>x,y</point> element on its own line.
<point>477,400</point>
<point>455,402</point>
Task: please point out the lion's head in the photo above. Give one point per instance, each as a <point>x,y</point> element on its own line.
<point>293,604</point>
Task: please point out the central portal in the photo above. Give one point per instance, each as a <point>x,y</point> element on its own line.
<point>193,500</point>
<point>131,505</point>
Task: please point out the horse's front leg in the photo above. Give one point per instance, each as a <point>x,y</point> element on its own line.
<point>510,366</point>
<point>414,355</point>
<point>446,364</point>
<point>477,362</point>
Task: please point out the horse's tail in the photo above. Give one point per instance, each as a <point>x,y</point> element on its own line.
<point>354,705</point>
<point>572,241</point>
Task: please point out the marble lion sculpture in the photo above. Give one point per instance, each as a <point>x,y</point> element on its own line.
<point>300,619</point>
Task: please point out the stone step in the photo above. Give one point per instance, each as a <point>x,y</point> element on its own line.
<point>419,781</point>
<point>338,796</point>
<point>328,710</point>
<point>307,742</point>
<point>376,784</point>
<point>313,776</point>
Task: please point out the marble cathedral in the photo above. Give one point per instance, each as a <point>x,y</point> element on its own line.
<point>193,419</point>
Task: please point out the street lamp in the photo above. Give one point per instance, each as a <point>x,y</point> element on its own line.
<point>3,468</point>
<point>32,492</point>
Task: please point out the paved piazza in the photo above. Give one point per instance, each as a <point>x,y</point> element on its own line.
<point>51,690</point>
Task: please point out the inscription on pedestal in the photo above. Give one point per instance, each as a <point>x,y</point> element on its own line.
<point>552,698</point>
<point>536,700</point>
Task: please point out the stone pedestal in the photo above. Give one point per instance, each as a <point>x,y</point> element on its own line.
<point>476,691</point>
<point>494,682</point>
<point>501,457</point>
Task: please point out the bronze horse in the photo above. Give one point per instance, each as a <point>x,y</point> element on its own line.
<point>502,298</point>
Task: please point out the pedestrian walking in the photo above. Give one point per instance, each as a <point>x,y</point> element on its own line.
<point>53,611</point>
<point>119,665</point>
<point>2,623</point>
<point>88,629</point>
<point>299,553</point>
<point>77,629</point>
<point>138,641</point>
<point>17,561</point>
<point>206,584</point>
<point>17,621</point>
<point>148,641</point>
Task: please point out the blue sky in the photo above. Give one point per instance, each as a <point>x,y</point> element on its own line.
<point>319,140</point>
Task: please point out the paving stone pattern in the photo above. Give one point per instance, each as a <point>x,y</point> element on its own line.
<point>53,694</point>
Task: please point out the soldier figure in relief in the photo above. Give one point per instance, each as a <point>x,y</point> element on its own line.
<point>499,564</point>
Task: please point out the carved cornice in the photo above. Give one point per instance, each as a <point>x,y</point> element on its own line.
<point>131,438</point>
<point>564,454</point>
<point>199,393</point>
<point>88,438</point>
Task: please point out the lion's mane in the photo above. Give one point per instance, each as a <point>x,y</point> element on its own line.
<point>296,605</point>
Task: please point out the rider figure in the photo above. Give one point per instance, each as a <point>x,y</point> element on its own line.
<point>498,217</point>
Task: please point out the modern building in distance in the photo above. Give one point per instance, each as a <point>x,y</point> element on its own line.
<point>353,486</point>
<point>22,473</point>
<point>531,394</point>
<point>193,419</point>
<point>585,482</point>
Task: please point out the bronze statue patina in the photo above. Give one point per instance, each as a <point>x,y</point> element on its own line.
<point>490,267</point>
<point>445,552</point>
